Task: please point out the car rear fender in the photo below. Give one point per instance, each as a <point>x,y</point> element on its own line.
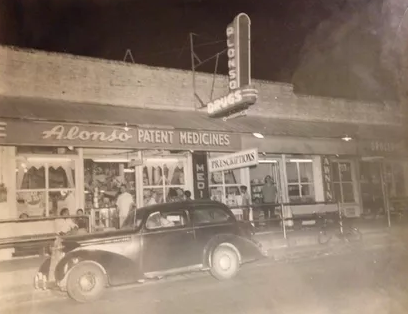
<point>245,248</point>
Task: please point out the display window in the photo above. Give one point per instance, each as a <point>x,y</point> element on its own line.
<point>300,183</point>
<point>225,186</point>
<point>45,185</point>
<point>163,180</point>
<point>343,183</point>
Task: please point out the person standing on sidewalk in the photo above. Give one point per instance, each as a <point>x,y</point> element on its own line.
<point>246,202</point>
<point>270,198</point>
<point>124,203</point>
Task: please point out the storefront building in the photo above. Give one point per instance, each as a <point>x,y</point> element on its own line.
<point>62,146</point>
<point>49,165</point>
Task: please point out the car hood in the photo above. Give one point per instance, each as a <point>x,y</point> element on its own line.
<point>72,241</point>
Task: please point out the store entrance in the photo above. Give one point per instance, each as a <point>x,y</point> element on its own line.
<point>258,175</point>
<point>372,188</point>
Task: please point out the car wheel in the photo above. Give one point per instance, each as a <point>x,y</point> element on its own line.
<point>224,262</point>
<point>86,282</point>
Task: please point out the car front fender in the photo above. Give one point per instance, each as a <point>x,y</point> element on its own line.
<point>118,268</point>
<point>248,249</point>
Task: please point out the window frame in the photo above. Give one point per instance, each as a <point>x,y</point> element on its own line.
<point>163,186</point>
<point>47,190</point>
<point>183,212</point>
<point>224,186</point>
<point>341,182</point>
<point>212,223</point>
<point>299,182</point>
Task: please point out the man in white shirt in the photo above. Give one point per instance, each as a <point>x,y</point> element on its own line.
<point>124,203</point>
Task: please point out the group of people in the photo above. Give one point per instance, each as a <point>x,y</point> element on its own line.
<point>71,225</point>
<point>269,198</point>
<point>125,200</point>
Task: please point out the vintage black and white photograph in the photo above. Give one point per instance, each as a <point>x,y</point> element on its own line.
<point>204,156</point>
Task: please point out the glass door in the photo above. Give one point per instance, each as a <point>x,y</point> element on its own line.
<point>372,192</point>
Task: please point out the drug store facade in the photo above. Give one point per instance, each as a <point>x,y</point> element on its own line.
<point>52,158</point>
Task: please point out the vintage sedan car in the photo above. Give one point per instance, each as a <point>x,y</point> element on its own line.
<point>155,241</point>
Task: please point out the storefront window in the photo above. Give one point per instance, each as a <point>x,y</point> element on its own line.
<point>299,173</point>
<point>163,181</point>
<point>343,181</point>
<point>394,175</point>
<point>103,181</point>
<point>45,186</point>
<point>224,186</point>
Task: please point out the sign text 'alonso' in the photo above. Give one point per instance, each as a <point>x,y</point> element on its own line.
<point>67,134</point>
<point>241,93</point>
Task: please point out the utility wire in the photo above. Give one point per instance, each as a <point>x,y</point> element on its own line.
<point>180,49</point>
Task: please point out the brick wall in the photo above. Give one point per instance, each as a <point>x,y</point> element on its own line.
<point>29,73</point>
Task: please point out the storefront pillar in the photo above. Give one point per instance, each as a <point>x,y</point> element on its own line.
<point>8,205</point>
<point>318,179</point>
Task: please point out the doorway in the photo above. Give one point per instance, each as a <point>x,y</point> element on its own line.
<point>372,186</point>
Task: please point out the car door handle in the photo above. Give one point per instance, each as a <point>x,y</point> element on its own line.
<point>190,231</point>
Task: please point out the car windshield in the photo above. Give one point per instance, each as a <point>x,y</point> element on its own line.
<point>133,220</point>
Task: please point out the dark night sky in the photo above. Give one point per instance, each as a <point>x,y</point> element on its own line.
<point>156,30</point>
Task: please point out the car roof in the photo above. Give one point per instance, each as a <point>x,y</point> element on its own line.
<point>178,205</point>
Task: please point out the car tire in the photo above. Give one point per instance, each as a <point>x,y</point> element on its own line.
<point>86,282</point>
<point>224,262</point>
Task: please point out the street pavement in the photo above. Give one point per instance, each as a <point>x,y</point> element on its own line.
<point>359,282</point>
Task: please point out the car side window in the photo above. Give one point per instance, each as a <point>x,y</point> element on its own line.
<point>160,220</point>
<point>209,215</point>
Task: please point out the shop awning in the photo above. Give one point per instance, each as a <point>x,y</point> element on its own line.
<point>61,111</point>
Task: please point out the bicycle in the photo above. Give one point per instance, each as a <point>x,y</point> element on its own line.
<point>348,234</point>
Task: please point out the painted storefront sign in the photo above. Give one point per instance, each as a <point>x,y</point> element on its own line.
<point>383,148</point>
<point>200,176</point>
<point>66,134</point>
<point>327,179</point>
<point>245,158</point>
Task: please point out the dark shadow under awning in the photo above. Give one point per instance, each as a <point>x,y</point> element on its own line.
<point>62,111</point>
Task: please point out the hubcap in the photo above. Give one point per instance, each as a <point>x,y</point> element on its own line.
<point>87,282</point>
<point>225,262</point>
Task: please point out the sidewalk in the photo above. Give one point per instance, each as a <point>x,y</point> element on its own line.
<point>16,276</point>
